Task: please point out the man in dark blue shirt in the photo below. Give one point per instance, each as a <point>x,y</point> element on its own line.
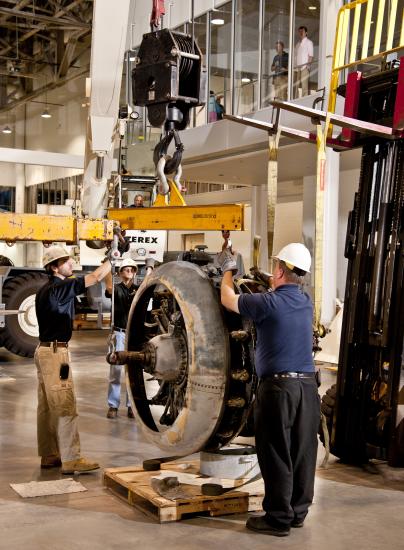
<point>287,407</point>
<point>58,436</point>
<point>280,66</point>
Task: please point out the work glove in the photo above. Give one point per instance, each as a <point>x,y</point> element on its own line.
<point>227,262</point>
<point>123,242</point>
<point>123,246</point>
<point>149,263</point>
<point>112,254</point>
<point>262,275</point>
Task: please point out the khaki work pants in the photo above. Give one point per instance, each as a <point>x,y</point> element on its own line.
<point>281,87</point>
<point>57,415</point>
<point>301,81</point>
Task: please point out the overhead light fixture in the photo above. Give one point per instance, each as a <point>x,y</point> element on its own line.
<point>7,130</point>
<point>217,21</point>
<point>312,8</point>
<point>245,80</point>
<point>46,113</point>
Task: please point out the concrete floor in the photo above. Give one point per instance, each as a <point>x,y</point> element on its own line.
<point>352,508</point>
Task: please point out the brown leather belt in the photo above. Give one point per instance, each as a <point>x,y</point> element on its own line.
<point>54,344</point>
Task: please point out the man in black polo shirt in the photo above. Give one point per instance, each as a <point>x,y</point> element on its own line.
<point>124,293</point>
<point>58,436</point>
<point>287,406</point>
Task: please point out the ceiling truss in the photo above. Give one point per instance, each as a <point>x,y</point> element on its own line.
<point>41,47</point>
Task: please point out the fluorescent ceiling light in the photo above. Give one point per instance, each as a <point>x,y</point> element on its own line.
<point>246,80</point>
<point>46,114</point>
<point>217,21</point>
<point>7,130</point>
<point>312,7</point>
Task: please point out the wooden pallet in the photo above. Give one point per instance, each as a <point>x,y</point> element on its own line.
<point>132,484</point>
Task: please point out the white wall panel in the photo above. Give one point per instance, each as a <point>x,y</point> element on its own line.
<point>178,12</point>
<point>63,133</point>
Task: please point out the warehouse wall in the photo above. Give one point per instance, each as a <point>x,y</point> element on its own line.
<point>176,13</point>
<point>63,133</point>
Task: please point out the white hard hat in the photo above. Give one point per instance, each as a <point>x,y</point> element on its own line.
<point>295,255</point>
<point>54,253</point>
<point>128,262</point>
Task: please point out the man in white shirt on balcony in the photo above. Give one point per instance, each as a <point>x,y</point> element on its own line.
<point>303,60</point>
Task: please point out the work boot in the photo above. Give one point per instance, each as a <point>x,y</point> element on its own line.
<point>261,525</point>
<point>112,412</point>
<point>50,461</point>
<point>80,465</point>
<point>130,413</point>
<point>297,523</point>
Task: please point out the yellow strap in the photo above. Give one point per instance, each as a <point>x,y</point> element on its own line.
<point>176,199</point>
<point>319,237</point>
<point>272,188</point>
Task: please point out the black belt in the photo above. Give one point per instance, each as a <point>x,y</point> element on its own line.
<point>278,375</point>
<point>55,344</point>
<point>119,329</point>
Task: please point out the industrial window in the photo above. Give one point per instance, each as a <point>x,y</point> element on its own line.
<point>246,59</point>
<point>275,51</point>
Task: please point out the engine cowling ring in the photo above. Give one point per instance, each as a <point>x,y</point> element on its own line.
<point>191,296</point>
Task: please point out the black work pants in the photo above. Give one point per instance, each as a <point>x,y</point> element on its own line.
<point>286,416</point>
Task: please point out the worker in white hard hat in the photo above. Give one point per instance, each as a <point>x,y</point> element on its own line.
<point>287,406</point>
<point>124,293</point>
<point>58,435</point>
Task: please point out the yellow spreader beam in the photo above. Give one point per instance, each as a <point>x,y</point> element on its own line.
<point>214,217</point>
<point>37,227</point>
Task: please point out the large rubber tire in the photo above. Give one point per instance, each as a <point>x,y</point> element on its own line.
<point>327,409</point>
<point>20,335</point>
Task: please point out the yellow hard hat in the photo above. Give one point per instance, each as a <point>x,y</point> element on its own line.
<point>54,253</point>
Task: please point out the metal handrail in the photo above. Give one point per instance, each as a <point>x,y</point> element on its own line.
<point>367,14</point>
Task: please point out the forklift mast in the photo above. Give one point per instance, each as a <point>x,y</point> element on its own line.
<point>368,418</point>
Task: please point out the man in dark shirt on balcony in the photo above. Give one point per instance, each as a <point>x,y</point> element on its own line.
<point>279,66</point>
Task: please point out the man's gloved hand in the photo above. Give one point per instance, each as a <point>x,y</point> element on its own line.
<point>112,254</point>
<point>123,242</point>
<point>227,262</point>
<point>262,275</point>
<point>124,245</point>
